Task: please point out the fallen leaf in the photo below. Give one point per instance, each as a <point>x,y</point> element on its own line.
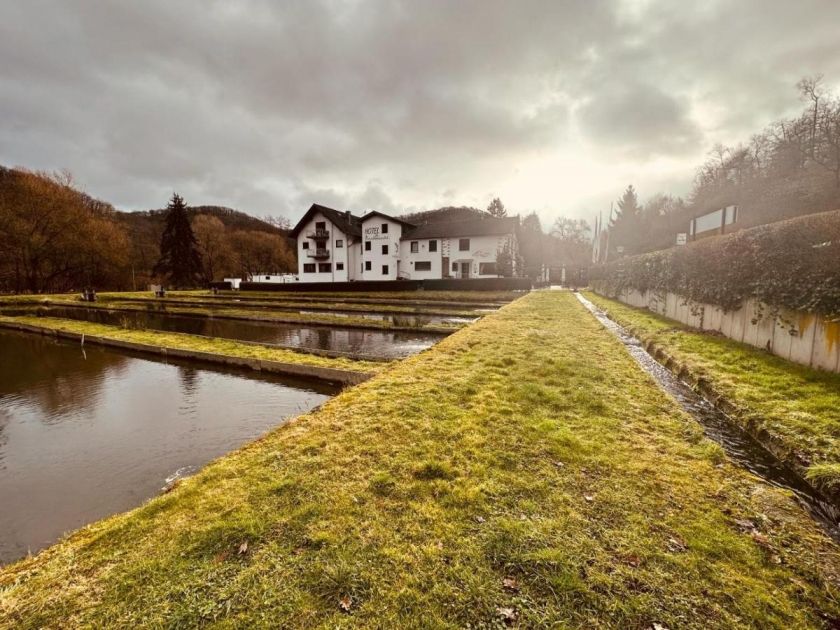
<point>480,519</point>
<point>658,626</point>
<point>510,584</point>
<point>589,497</point>
<point>243,548</point>
<point>508,615</point>
<point>345,603</point>
<point>761,539</point>
<point>676,546</point>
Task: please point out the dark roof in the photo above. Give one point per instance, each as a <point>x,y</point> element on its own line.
<point>349,224</point>
<point>449,213</point>
<point>376,213</point>
<point>489,226</point>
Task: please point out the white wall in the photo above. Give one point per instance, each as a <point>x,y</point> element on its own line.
<point>372,232</point>
<point>483,249</point>
<point>336,254</point>
<point>816,342</point>
<point>408,259</point>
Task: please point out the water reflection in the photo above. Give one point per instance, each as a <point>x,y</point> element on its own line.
<point>356,340</point>
<point>87,435</point>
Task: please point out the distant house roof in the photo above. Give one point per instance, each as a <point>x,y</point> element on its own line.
<point>376,213</point>
<point>488,226</point>
<point>349,224</point>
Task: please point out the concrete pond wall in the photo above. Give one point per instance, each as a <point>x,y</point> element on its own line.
<point>804,338</point>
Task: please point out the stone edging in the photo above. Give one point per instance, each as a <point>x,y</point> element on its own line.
<point>333,375</point>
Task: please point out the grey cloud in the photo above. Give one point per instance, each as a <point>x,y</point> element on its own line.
<point>269,106</point>
<point>641,119</point>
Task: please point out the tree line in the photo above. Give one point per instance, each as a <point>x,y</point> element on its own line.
<point>54,237</point>
<point>791,168</point>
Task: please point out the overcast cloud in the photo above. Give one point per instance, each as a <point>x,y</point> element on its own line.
<point>269,106</point>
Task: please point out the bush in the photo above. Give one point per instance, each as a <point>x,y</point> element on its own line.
<point>793,264</point>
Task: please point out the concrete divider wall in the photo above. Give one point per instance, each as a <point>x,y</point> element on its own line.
<point>804,338</point>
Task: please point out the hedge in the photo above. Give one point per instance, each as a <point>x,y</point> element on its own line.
<point>793,264</point>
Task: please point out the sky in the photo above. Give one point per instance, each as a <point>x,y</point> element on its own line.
<point>554,106</point>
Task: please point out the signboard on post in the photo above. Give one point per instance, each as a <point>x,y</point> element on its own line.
<point>682,238</point>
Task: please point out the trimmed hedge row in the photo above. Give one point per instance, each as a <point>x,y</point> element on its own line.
<point>793,264</point>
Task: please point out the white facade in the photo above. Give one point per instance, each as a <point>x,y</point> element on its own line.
<point>324,251</point>
<point>335,246</point>
<point>380,248</point>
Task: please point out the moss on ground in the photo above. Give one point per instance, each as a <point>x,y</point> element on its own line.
<point>184,341</point>
<point>798,406</point>
<point>524,468</point>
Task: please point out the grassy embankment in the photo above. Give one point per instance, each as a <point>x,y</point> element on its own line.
<point>182,341</point>
<point>524,468</point>
<point>203,309</point>
<point>795,408</point>
<point>437,296</point>
<point>288,303</point>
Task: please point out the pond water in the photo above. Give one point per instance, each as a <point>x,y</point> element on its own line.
<point>85,433</point>
<point>382,343</point>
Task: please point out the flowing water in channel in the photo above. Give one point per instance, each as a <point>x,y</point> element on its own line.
<point>88,432</point>
<point>380,343</point>
<point>739,445</point>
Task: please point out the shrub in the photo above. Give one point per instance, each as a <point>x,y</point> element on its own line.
<point>792,264</point>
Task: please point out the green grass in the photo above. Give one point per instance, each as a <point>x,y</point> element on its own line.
<point>192,342</point>
<point>523,463</point>
<point>442,296</point>
<point>797,406</point>
<point>262,315</point>
<point>243,302</point>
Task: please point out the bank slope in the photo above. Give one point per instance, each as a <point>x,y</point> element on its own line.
<point>792,408</point>
<point>524,469</point>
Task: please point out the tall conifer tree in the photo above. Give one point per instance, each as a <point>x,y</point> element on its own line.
<point>179,261</point>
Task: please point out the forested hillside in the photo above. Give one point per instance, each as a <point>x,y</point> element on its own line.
<point>54,237</point>
<point>790,169</point>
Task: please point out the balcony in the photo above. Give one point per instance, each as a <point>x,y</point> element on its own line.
<point>318,254</point>
<point>319,235</point>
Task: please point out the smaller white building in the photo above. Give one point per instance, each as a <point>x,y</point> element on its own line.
<point>334,246</point>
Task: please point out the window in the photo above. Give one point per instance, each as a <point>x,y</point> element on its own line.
<point>463,245</point>
<point>367,265</point>
<point>309,268</point>
<point>423,265</point>
<point>415,247</point>
<point>324,267</point>
<point>367,246</point>
<point>268,277</point>
<point>339,244</point>
<point>384,249</point>
<point>304,245</point>
<point>384,270</point>
<point>487,269</point>
<point>339,266</point>
<point>454,266</point>
<point>320,226</point>
<point>384,228</point>
<point>432,246</point>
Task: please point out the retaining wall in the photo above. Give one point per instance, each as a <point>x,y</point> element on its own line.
<point>800,337</point>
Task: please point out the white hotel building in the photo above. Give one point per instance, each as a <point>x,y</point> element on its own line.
<point>334,246</point>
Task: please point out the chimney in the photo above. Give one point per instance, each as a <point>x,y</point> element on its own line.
<point>347,215</point>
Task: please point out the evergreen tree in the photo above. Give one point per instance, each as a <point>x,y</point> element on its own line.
<point>180,261</point>
<point>626,226</point>
<point>496,209</point>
